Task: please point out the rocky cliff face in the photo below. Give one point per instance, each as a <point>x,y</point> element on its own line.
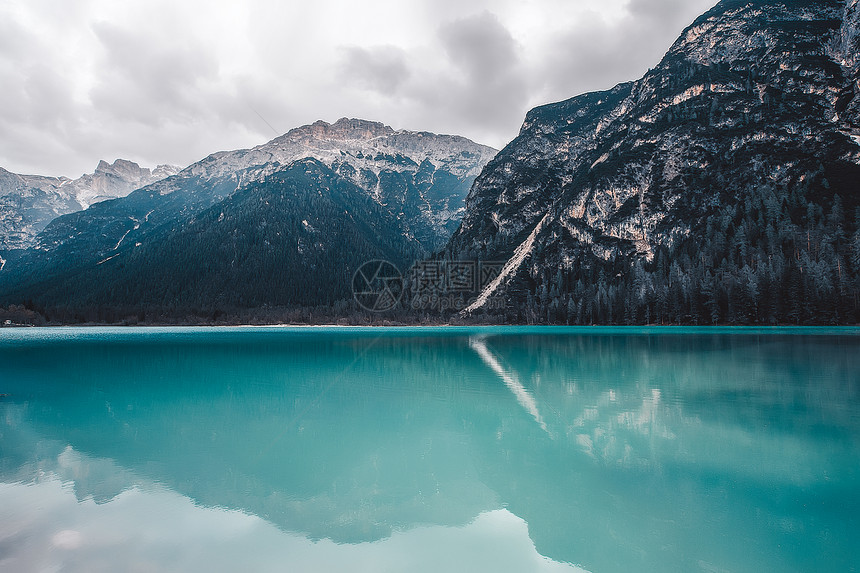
<point>749,121</point>
<point>29,202</point>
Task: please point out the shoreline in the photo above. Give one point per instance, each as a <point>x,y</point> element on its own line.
<point>571,327</point>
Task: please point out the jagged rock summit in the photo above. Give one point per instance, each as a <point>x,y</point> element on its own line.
<point>369,144</point>
<point>118,179</point>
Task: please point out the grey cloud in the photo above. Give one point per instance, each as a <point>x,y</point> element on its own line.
<point>14,39</point>
<point>34,89</point>
<point>148,84</point>
<point>382,68</point>
<point>480,45</point>
<point>150,81</point>
<point>470,81</point>
<point>665,12</point>
<point>47,94</point>
<point>36,106</point>
<point>491,86</point>
<point>596,56</point>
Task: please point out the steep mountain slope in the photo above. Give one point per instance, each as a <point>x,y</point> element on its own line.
<point>721,186</point>
<point>29,202</point>
<point>293,239</point>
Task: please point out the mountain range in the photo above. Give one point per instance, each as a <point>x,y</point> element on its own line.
<point>721,187</point>
<point>285,223</point>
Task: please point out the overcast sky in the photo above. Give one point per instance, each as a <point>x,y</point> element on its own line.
<point>170,81</point>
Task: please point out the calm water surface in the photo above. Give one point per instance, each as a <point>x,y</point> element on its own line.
<point>438,450</point>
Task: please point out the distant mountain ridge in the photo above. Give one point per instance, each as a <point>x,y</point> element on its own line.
<point>29,202</point>
<point>720,187</point>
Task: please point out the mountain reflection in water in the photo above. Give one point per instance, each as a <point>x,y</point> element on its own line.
<point>610,449</point>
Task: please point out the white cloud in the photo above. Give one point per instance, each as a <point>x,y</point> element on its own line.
<point>161,81</point>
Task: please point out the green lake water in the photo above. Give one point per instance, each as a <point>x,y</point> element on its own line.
<point>429,450</point>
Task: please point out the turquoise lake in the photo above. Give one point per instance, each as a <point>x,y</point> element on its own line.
<point>429,449</point>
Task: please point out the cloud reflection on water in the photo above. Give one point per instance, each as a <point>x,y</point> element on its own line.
<point>47,525</point>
